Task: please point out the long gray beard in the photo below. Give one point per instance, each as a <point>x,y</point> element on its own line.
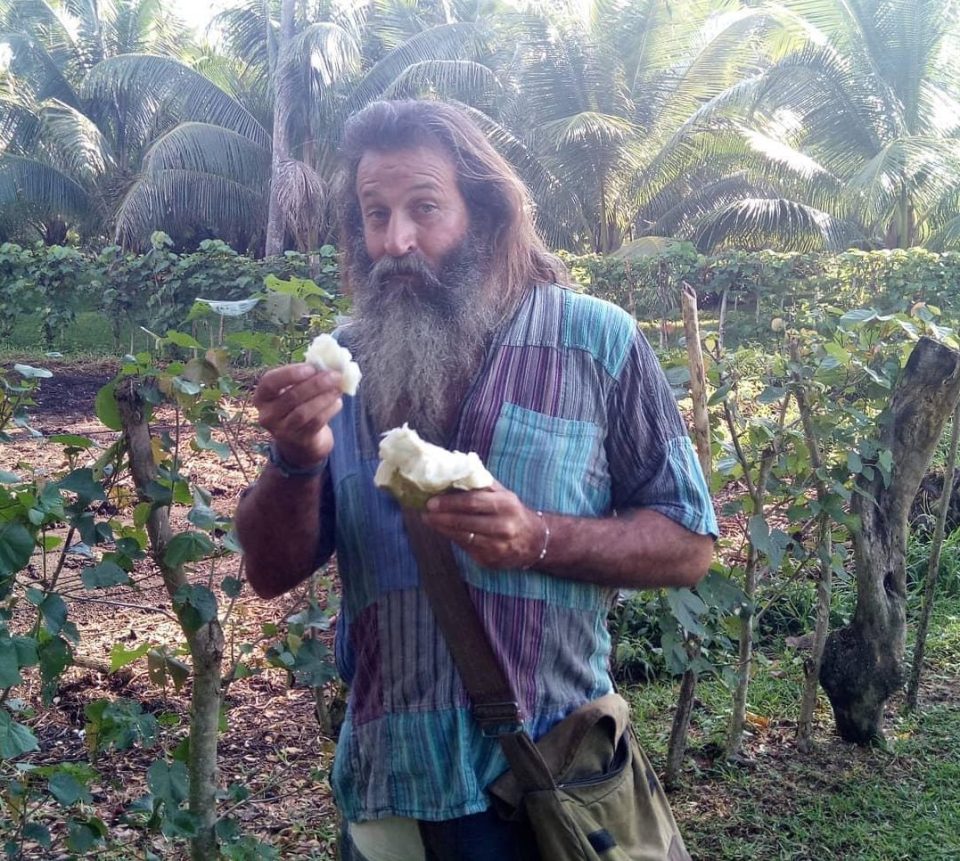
<point>420,344</point>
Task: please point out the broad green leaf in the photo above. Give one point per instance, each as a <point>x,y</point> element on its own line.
<point>121,657</point>
<point>720,591</point>
<point>16,547</point>
<point>104,575</point>
<point>82,482</point>
<point>720,395</point>
<point>106,408</point>
<point>68,790</point>
<point>38,833</point>
<point>771,395</point>
<point>314,664</point>
<point>857,317</point>
<point>168,782</point>
<point>85,834</point>
<point>759,533</point>
<point>182,339</point>
<point>54,658</point>
<point>53,609</point>
<point>231,586</point>
<point>203,441</point>
<point>195,605</point>
<point>15,738</point>
<point>187,547</point>
<point>72,440</point>
<point>687,608</point>
<point>9,664</point>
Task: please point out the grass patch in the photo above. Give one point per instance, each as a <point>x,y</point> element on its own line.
<point>89,336</point>
<point>841,801</point>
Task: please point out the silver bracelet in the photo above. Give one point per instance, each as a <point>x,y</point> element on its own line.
<point>546,542</point>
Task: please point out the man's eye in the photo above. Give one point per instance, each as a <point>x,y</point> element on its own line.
<point>427,208</point>
<point>375,215</point>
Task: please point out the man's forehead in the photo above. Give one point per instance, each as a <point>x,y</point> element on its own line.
<point>426,167</point>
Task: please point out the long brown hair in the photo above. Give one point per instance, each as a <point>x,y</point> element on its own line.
<point>499,204</point>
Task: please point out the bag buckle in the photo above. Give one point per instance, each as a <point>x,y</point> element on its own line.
<point>497,719</point>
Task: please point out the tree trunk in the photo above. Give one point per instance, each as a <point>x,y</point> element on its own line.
<point>738,716</point>
<point>863,662</point>
<point>276,222</point>
<point>701,434</point>
<point>811,666</point>
<point>933,568</point>
<point>206,643</point>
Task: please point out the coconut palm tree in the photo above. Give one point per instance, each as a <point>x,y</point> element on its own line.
<point>593,93</point>
<point>309,75</point>
<point>64,155</point>
<point>850,136</point>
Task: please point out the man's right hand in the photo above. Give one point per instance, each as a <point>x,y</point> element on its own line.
<point>295,404</point>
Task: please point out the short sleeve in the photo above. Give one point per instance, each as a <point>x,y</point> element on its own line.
<point>652,460</point>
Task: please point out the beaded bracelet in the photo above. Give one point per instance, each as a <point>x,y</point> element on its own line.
<point>546,541</point>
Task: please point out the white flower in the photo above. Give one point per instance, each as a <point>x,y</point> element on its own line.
<point>327,355</point>
<point>413,470</point>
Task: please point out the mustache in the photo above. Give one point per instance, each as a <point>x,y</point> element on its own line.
<point>412,265</point>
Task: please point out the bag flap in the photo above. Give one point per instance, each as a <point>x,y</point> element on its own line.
<point>583,743</point>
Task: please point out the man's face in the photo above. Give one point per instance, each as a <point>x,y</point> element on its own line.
<point>411,205</point>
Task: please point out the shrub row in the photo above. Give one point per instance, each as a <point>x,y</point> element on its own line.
<point>158,288</point>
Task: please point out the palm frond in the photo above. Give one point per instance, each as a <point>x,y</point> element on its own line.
<point>41,186</point>
<point>302,195</point>
<point>165,83</point>
<point>461,80</point>
<point>589,128</point>
<point>327,49</point>
<point>80,147</point>
<point>179,200</point>
<point>756,223</point>
<point>209,149</point>
<point>444,42</point>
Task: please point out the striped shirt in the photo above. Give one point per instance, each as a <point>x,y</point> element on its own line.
<point>572,413</point>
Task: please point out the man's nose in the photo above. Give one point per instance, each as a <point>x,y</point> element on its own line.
<point>401,235</point>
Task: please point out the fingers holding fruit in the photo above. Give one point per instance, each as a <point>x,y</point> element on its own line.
<point>493,526</point>
<point>295,404</point>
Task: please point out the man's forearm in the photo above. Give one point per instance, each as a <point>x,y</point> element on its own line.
<point>639,549</point>
<point>279,525</point>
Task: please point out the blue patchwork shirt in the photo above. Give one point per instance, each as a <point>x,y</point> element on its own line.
<point>572,413</point>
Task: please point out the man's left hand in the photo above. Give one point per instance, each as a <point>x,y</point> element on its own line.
<point>492,525</point>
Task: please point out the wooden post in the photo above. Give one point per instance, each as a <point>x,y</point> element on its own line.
<point>701,428</point>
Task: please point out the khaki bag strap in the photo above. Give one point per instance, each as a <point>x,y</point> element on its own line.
<point>495,705</point>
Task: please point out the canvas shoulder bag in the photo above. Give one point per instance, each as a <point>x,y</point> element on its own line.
<point>586,788</point>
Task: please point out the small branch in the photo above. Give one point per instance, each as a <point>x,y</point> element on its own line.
<point>104,601</point>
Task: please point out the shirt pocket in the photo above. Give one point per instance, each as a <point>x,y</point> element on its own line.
<point>552,463</point>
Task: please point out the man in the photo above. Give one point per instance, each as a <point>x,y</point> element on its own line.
<point>461,330</point>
